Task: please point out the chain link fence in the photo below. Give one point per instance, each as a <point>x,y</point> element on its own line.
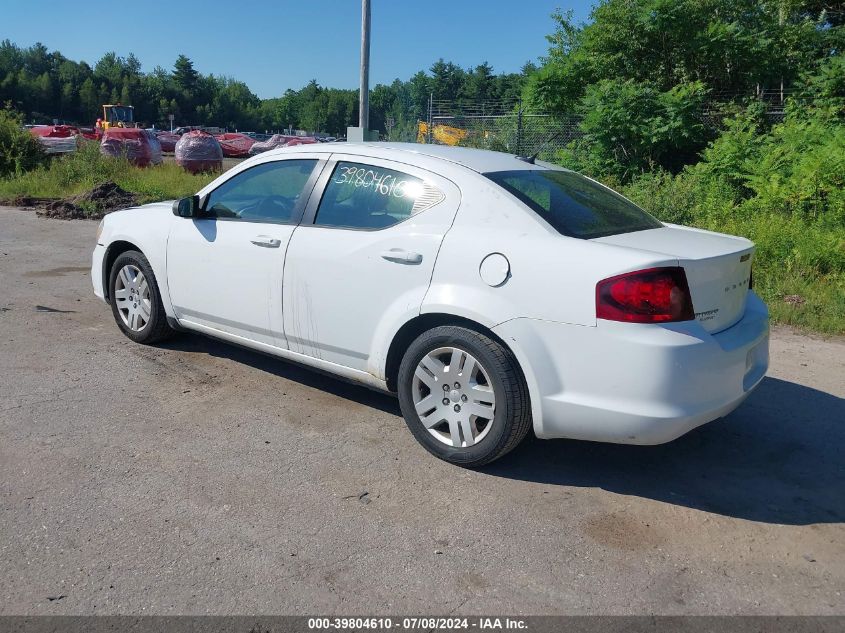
<point>505,126</point>
<point>497,125</point>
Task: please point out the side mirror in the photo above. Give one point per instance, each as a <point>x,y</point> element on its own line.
<point>187,207</point>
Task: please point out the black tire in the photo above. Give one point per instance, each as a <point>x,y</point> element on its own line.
<point>512,417</point>
<point>157,328</point>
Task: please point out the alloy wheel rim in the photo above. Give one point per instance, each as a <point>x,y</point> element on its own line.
<point>454,397</point>
<point>132,297</point>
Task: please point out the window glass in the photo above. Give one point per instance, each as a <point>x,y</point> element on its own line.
<point>573,204</point>
<point>370,197</point>
<point>266,192</point>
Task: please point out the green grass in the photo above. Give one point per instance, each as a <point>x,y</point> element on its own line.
<point>798,269</point>
<point>79,172</point>
<point>799,264</point>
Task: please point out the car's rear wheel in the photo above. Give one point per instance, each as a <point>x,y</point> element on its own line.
<point>135,299</point>
<point>463,396</point>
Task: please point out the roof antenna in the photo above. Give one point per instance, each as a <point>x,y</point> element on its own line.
<point>531,158</point>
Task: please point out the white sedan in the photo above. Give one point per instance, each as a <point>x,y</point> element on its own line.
<point>494,294</point>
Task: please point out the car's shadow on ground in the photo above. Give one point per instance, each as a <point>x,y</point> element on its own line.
<point>777,459</point>
<point>195,343</point>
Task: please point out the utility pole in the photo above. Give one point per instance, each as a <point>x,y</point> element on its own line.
<point>364,95</point>
<point>363,132</point>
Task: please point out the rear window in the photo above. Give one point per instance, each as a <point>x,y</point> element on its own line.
<point>573,204</point>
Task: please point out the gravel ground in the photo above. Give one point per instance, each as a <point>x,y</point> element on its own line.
<point>201,478</point>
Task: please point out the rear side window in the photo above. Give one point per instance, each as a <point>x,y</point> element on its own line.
<point>573,204</point>
<point>363,196</point>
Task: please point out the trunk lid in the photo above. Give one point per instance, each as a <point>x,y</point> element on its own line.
<point>718,268</point>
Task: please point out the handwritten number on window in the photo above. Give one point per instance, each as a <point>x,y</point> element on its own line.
<point>382,183</point>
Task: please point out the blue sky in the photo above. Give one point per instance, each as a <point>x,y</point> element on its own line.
<point>273,45</point>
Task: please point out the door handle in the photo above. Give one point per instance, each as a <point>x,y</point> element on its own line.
<point>266,241</point>
<point>401,256</point>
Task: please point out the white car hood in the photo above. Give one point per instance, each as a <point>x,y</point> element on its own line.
<point>156,208</point>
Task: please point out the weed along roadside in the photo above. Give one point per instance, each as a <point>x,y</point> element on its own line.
<point>90,205</point>
<point>87,178</point>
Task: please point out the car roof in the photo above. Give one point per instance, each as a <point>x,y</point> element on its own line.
<point>480,160</point>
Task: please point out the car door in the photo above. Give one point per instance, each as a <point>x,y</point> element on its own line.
<point>361,260</point>
<point>224,268</point>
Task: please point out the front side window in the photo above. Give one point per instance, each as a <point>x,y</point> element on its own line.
<point>363,196</point>
<point>267,192</point>
<point>573,204</point>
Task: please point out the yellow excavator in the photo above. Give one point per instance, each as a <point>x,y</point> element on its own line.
<point>443,134</point>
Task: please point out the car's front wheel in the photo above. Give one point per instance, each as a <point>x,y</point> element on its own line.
<point>463,396</point>
<point>135,299</point>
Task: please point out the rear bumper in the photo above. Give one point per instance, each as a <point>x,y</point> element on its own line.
<point>634,383</point>
<point>97,270</point>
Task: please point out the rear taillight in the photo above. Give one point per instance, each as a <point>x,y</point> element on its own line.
<point>656,295</point>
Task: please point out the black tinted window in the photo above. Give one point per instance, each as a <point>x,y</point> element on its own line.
<point>265,192</point>
<point>573,204</point>
<point>370,197</point>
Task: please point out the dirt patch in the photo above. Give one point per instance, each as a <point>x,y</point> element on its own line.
<point>91,205</point>
<point>105,198</point>
<point>795,300</point>
<point>621,531</point>
<point>61,209</point>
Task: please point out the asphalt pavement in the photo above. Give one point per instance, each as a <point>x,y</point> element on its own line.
<point>197,477</point>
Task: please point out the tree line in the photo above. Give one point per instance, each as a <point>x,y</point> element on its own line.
<point>643,72</point>
<point>45,85</point>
